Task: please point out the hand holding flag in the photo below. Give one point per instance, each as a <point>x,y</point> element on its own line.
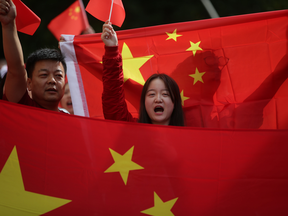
<point>8,12</point>
<point>109,36</point>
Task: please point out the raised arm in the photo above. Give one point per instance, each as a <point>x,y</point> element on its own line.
<point>16,80</point>
<point>113,97</point>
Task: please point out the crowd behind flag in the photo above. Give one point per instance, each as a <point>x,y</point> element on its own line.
<point>71,21</point>
<point>232,71</point>
<point>69,165</point>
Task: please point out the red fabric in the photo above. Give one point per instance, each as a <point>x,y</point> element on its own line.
<point>244,59</point>
<point>212,172</point>
<point>113,97</point>
<point>27,21</point>
<point>101,10</point>
<point>71,21</point>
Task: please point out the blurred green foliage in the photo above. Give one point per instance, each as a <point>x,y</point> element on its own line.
<point>140,13</point>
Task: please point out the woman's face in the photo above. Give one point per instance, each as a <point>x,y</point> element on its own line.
<point>158,102</point>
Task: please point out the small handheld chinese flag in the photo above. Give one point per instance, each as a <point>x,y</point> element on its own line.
<point>71,21</point>
<point>104,9</point>
<point>27,21</point>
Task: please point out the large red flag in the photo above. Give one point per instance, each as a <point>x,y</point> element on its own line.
<point>27,21</point>
<point>101,10</point>
<point>71,21</point>
<point>57,164</point>
<point>232,71</point>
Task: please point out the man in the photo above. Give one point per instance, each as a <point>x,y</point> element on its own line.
<point>46,68</point>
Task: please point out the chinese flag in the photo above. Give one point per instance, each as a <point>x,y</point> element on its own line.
<point>59,164</point>
<point>102,8</point>
<point>27,21</point>
<point>71,21</point>
<point>232,71</point>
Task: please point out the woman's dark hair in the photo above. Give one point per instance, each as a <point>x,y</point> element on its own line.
<point>44,54</point>
<point>177,116</point>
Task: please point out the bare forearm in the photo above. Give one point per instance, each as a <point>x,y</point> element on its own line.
<point>13,50</point>
<point>16,80</point>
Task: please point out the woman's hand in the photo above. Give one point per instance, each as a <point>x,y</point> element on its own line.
<point>109,36</point>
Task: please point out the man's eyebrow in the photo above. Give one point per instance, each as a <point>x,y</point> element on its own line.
<point>42,69</point>
<point>59,70</point>
<point>46,70</point>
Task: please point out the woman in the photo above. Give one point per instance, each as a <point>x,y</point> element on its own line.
<point>160,101</point>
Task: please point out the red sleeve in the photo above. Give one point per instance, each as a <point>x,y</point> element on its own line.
<point>113,97</point>
<point>25,100</point>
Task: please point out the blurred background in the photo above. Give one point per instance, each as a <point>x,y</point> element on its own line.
<point>139,13</point>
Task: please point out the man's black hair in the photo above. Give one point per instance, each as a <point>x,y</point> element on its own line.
<point>44,54</point>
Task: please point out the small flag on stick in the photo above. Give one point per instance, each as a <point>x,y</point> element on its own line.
<point>112,10</point>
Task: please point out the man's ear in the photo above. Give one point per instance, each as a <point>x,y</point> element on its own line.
<point>29,84</point>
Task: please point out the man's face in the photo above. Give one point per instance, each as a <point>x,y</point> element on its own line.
<point>48,82</point>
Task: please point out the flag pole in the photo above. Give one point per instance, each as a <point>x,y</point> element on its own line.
<point>86,23</point>
<point>209,7</point>
<point>111,10</point>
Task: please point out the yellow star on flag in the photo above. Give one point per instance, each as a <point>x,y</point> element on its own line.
<point>194,47</point>
<point>173,35</point>
<point>76,10</point>
<point>183,98</point>
<point>15,200</point>
<point>131,65</point>
<point>160,208</point>
<point>123,164</point>
<point>197,76</point>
